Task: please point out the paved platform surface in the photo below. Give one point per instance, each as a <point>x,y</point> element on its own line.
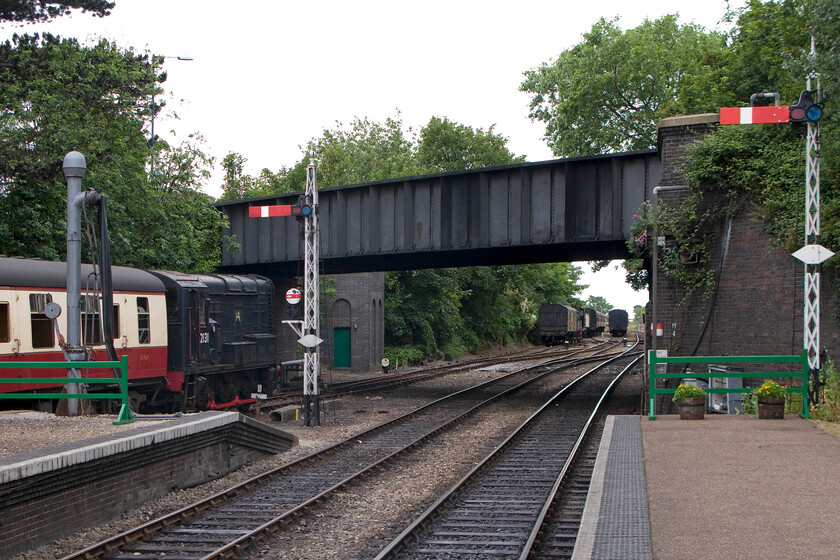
<point>727,486</point>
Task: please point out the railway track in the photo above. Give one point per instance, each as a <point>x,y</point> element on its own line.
<point>381,382</point>
<point>224,525</point>
<point>498,510</point>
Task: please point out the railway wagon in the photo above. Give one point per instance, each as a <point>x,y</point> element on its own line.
<point>602,322</point>
<point>618,319</point>
<point>558,323</point>
<point>190,339</point>
<point>593,322</point>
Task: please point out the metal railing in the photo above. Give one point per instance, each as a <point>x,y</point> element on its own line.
<point>125,415</point>
<point>653,376</point>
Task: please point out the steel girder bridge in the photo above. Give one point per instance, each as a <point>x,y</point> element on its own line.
<point>553,211</point>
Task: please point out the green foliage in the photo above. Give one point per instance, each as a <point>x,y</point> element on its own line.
<point>404,355</point>
<point>759,166</point>
<point>367,151</point>
<point>448,146</point>
<point>57,96</point>
<point>608,92</point>
<point>749,404</point>
<point>684,254</point>
<point>768,45</point>
<point>762,165</point>
<point>599,304</point>
<point>635,274</point>
<point>770,389</point>
<point>829,408</point>
<point>638,313</point>
<point>422,309</point>
<point>688,392</point>
<point>180,230</point>
<point>237,185</point>
<point>32,11</point>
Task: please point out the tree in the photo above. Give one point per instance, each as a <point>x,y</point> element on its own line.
<point>599,304</point>
<point>638,317</point>
<point>32,11</point>
<point>768,45</point>
<point>448,146</point>
<point>237,185</point>
<point>57,96</point>
<point>608,92</point>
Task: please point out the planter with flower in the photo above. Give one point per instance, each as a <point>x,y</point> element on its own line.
<point>691,401</point>
<point>771,400</point>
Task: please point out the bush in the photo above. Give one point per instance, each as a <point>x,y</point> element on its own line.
<point>829,409</point>
<point>404,355</point>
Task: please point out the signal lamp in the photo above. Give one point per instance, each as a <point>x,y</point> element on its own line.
<point>805,110</point>
<point>301,209</point>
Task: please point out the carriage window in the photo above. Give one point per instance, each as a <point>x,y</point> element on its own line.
<point>143,322</point>
<point>116,326</point>
<point>91,325</point>
<point>42,327</point>
<point>5,327</point>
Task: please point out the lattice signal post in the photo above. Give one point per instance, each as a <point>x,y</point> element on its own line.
<point>308,330</point>
<point>807,110</point>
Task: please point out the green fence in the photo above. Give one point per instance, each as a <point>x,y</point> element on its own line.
<point>125,415</point>
<point>653,376</point>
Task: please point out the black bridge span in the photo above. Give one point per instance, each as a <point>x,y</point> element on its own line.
<point>553,211</point>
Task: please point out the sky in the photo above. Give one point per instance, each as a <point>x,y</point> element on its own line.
<point>266,76</point>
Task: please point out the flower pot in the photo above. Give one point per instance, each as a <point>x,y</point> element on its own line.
<point>692,409</point>
<point>771,408</point>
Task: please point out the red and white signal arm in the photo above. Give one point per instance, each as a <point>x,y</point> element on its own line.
<point>754,115</point>
<point>293,296</point>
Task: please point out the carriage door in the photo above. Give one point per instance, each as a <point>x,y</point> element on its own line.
<point>195,327</point>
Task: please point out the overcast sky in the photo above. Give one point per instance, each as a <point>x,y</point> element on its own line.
<point>267,76</point>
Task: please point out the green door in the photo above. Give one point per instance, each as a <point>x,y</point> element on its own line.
<point>341,347</point>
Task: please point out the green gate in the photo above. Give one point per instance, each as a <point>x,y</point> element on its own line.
<point>341,347</point>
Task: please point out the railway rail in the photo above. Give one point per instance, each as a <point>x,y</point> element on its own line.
<point>224,525</point>
<point>499,508</point>
<point>380,382</point>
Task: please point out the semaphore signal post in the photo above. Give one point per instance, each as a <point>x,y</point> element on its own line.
<point>806,110</point>
<point>308,330</point>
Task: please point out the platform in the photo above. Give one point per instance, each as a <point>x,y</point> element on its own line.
<point>47,494</point>
<point>727,486</point>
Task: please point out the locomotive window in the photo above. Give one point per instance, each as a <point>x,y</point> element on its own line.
<point>143,322</point>
<point>42,327</point>
<point>5,328</point>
